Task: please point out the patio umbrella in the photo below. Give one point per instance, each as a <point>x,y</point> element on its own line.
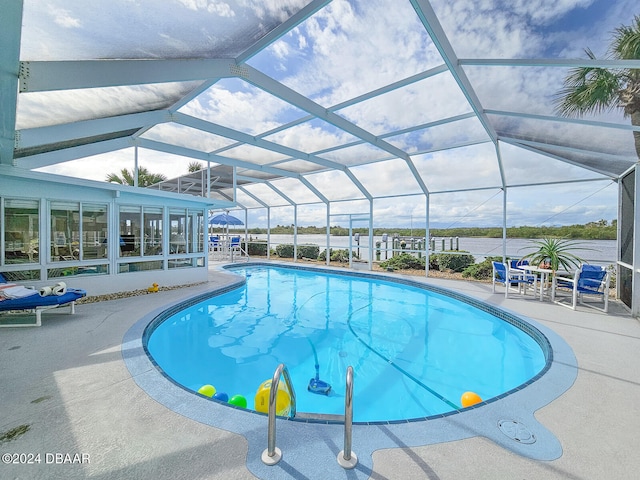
<point>225,219</point>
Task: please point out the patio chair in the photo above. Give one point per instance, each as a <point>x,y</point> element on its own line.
<point>235,246</point>
<point>510,278</point>
<point>214,244</point>
<point>26,300</point>
<point>515,263</point>
<point>587,280</point>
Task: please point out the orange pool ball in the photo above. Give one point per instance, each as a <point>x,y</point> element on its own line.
<point>469,398</point>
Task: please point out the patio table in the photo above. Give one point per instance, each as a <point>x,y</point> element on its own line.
<point>543,273</point>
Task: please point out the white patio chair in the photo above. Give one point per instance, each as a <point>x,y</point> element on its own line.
<point>588,280</point>
<point>510,277</point>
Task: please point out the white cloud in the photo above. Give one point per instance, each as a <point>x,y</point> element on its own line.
<point>242,107</point>
<point>97,167</point>
<point>350,48</point>
<point>355,49</point>
<point>221,9</point>
<point>277,9</point>
<point>309,138</point>
<point>174,134</point>
<point>501,29</point>
<point>66,106</point>
<point>64,18</point>
<point>431,99</point>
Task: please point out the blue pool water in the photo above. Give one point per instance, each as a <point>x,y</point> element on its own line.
<point>414,351</point>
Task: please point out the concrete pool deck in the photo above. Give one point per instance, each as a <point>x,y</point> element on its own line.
<point>67,381</point>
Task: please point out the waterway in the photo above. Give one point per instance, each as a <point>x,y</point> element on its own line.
<point>602,252</point>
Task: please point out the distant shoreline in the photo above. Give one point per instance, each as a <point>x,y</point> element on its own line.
<point>601,230</point>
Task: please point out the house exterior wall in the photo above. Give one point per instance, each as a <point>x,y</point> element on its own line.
<point>56,229</point>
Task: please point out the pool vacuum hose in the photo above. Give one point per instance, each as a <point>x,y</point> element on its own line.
<point>315,384</point>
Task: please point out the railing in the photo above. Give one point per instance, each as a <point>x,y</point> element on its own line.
<point>346,458</point>
<point>272,455</point>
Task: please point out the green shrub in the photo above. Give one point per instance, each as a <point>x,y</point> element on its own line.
<point>482,270</point>
<point>456,262</point>
<point>256,249</point>
<point>284,250</point>
<point>308,251</point>
<point>404,261</point>
<point>341,256</point>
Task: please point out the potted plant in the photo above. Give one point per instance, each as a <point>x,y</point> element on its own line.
<point>553,253</point>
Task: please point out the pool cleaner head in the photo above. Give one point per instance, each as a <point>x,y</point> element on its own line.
<point>318,386</point>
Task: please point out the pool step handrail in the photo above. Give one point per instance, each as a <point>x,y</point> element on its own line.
<point>346,458</point>
<point>272,454</point>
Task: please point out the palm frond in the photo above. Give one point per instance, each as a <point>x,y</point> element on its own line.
<point>588,90</point>
<point>557,252</point>
<point>194,167</point>
<point>626,41</point>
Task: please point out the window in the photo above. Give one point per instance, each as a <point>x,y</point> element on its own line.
<point>152,231</point>
<point>65,231</point>
<point>94,231</point>
<point>196,218</point>
<point>21,231</point>
<point>130,230</point>
<point>179,234</point>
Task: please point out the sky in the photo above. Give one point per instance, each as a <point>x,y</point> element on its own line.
<point>346,50</point>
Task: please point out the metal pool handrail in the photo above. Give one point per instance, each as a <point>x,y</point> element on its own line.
<point>272,454</point>
<point>346,458</point>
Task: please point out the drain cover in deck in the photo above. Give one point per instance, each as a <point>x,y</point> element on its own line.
<point>516,431</point>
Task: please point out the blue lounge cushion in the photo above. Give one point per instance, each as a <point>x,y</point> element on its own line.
<point>34,301</point>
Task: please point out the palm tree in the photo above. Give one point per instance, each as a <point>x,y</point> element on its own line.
<point>555,253</point>
<point>145,178</point>
<point>596,90</point>
<point>194,167</point>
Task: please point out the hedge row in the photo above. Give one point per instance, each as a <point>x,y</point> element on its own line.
<point>286,250</point>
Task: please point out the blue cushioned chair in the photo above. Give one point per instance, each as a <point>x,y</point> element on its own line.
<point>37,304</point>
<point>214,243</point>
<point>588,280</point>
<point>515,263</point>
<point>510,278</point>
<point>235,246</point>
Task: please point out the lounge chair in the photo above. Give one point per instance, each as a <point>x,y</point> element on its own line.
<point>510,278</point>
<point>587,280</point>
<point>26,302</point>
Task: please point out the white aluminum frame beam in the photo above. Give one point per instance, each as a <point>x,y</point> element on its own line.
<point>281,194</point>
<point>268,84</point>
<point>10,34</point>
<point>577,121</point>
<point>533,147</point>
<point>67,75</point>
<point>199,155</point>
<point>74,153</point>
<point>391,87</point>
<point>289,24</point>
<point>245,138</point>
<point>433,27</point>
<point>550,62</point>
<point>31,137</point>
<point>635,273</point>
<point>254,197</point>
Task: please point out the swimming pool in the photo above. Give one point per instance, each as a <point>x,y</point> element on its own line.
<point>414,349</point>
